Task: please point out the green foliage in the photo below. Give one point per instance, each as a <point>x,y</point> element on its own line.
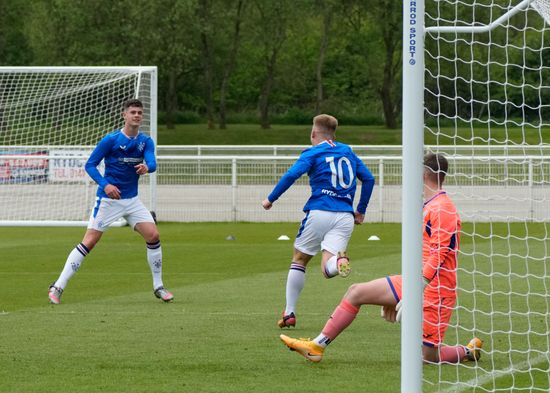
<point>283,134</point>
<point>279,134</point>
<point>181,117</point>
<point>294,116</point>
<point>278,62</point>
<point>14,48</point>
<point>504,88</point>
<point>167,33</point>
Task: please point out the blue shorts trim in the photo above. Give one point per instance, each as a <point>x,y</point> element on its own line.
<point>96,208</point>
<point>393,289</point>
<point>302,225</point>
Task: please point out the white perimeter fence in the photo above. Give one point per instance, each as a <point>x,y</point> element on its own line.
<point>231,188</point>
<point>222,187</point>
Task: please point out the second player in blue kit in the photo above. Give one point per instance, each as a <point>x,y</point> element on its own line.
<point>333,170</point>
<point>127,154</point>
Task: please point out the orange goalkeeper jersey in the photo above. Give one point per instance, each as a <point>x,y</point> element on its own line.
<point>440,246</point>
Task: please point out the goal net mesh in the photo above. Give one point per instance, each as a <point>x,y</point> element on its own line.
<point>50,120</point>
<point>487,107</point>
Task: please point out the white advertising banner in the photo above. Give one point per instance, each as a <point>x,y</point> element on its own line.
<point>69,167</point>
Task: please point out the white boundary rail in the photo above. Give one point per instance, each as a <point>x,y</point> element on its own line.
<point>231,187</point>
<point>282,150</point>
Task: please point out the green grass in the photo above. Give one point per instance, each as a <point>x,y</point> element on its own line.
<point>110,334</point>
<point>252,134</point>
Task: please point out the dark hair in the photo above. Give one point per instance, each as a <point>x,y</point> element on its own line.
<point>132,102</point>
<point>437,166</point>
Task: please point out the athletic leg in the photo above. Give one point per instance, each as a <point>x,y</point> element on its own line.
<point>73,263</point>
<point>294,286</point>
<point>334,260</point>
<point>335,265</point>
<point>142,222</point>
<point>306,245</point>
<point>150,234</point>
<point>76,257</point>
<point>437,313</point>
<point>105,212</point>
<point>376,292</point>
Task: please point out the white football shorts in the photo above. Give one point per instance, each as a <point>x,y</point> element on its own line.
<point>106,211</point>
<point>324,230</point>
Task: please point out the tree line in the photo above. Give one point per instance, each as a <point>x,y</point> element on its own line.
<point>246,60</point>
<point>264,61</point>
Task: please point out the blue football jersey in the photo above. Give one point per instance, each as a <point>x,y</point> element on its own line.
<point>333,170</point>
<point>121,153</point>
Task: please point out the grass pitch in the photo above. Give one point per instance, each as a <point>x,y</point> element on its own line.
<point>278,134</point>
<point>220,335</point>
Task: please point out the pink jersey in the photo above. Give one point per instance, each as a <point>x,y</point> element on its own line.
<point>440,246</point>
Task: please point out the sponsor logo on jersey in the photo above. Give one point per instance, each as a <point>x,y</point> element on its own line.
<point>329,192</point>
<point>333,194</point>
<point>122,147</point>
<point>130,160</point>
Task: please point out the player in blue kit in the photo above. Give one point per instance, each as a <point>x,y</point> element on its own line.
<point>127,154</point>
<point>333,170</point>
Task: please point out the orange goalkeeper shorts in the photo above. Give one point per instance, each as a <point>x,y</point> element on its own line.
<point>437,313</point>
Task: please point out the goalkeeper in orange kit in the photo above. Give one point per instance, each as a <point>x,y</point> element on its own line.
<point>439,250</point>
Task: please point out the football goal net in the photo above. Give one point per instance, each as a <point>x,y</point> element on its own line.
<point>477,74</point>
<point>51,118</point>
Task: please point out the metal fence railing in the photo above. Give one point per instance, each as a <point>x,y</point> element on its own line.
<point>231,187</point>
<point>282,150</point>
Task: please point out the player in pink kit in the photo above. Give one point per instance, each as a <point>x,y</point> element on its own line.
<point>439,256</point>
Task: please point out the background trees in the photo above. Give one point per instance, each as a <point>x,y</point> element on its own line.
<point>224,61</point>
<point>254,61</point>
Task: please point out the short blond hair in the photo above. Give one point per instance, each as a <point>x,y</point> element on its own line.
<point>325,124</point>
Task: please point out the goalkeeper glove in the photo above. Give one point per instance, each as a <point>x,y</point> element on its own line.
<point>388,313</point>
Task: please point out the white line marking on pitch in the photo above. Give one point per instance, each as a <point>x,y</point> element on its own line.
<point>496,374</point>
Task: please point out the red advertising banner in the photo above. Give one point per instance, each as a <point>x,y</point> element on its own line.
<point>29,168</point>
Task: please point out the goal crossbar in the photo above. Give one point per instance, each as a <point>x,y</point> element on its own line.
<point>480,29</point>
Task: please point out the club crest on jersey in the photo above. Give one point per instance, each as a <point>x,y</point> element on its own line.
<point>141,146</point>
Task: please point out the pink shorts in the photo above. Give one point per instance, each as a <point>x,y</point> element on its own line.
<point>437,313</point>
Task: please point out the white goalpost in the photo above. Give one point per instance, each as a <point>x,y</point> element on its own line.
<point>51,118</point>
<point>477,74</point>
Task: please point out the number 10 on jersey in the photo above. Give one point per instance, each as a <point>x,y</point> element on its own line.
<point>337,171</point>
